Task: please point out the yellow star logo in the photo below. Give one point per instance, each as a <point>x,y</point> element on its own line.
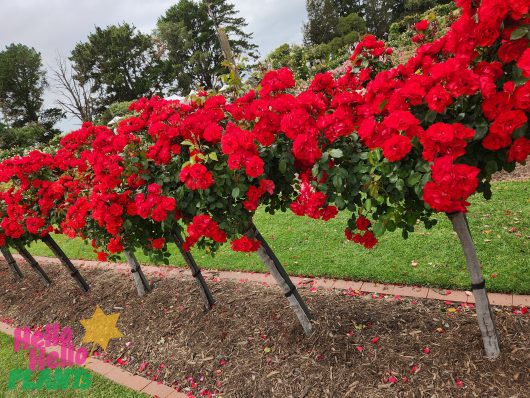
<point>101,328</point>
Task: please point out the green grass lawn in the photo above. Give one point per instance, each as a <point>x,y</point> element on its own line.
<point>501,228</point>
<point>100,388</point>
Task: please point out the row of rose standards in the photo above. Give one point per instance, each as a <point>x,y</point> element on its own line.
<point>390,145</point>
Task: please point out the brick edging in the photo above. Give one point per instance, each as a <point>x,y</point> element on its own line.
<point>499,299</point>
<point>115,373</point>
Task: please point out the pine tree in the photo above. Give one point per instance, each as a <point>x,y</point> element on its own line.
<point>22,84</point>
<point>188,30</point>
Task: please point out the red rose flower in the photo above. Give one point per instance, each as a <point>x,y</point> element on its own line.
<point>519,150</point>
<point>245,245</point>
<point>396,148</point>
<point>524,63</point>
<point>158,244</point>
<point>422,25</point>
<point>362,223</point>
<point>196,177</point>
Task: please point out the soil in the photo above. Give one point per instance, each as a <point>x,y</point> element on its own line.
<point>521,173</point>
<point>250,344</point>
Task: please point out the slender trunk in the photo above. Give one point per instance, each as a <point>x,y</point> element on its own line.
<point>74,272</point>
<point>486,320</point>
<point>142,285</point>
<point>277,271</point>
<point>13,266</point>
<point>195,271</point>
<point>33,264</point>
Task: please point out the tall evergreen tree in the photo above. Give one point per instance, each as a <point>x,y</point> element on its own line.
<point>189,32</point>
<point>321,26</point>
<point>379,15</point>
<point>22,84</point>
<point>122,63</point>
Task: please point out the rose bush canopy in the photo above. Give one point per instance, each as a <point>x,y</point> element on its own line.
<point>391,145</point>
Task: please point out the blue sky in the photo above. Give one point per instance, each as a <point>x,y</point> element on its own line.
<point>53,27</point>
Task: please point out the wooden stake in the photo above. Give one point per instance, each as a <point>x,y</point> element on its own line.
<point>277,271</point>
<point>33,264</point>
<point>142,285</point>
<point>195,271</point>
<point>74,272</point>
<point>227,51</point>
<point>13,266</point>
<point>486,320</point>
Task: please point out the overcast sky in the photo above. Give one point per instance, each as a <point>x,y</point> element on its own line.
<point>54,26</point>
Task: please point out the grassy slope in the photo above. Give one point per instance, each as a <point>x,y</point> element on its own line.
<point>316,248</point>
<point>101,388</point>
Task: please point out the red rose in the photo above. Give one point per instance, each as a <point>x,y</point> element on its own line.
<point>102,256</point>
<point>519,150</point>
<point>522,97</point>
<point>362,223</point>
<point>511,50</point>
<point>422,25</point>
<point>418,38</point>
<point>254,167</point>
<point>396,148</point>
<point>158,244</point>
<point>438,99</point>
<point>196,177</point>
<point>369,240</point>
<point>524,63</point>
<point>245,245</point>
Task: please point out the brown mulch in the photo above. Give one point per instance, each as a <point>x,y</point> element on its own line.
<point>521,173</point>
<point>250,344</point>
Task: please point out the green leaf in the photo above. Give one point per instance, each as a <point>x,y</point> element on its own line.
<point>519,33</point>
<point>336,153</point>
<point>379,228</point>
<point>341,204</point>
<point>337,181</point>
<point>282,166</point>
<point>213,156</point>
<point>186,143</point>
<point>235,192</point>
<point>430,117</point>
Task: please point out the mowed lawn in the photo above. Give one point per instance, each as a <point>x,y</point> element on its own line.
<point>501,228</point>
<point>9,360</point>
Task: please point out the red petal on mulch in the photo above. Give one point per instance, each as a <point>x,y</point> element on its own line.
<point>142,367</point>
<point>426,350</point>
<point>360,348</point>
<point>392,380</point>
<point>374,340</point>
<point>459,383</point>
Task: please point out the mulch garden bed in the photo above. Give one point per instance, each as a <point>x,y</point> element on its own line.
<point>250,344</point>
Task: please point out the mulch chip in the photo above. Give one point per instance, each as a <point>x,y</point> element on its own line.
<point>250,344</point>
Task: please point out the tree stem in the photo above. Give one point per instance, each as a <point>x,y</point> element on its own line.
<point>58,252</point>
<point>142,285</point>
<point>195,271</point>
<point>13,266</point>
<point>277,271</point>
<point>485,316</point>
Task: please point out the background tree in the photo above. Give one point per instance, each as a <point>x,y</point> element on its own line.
<point>321,26</point>
<point>189,32</point>
<point>122,63</point>
<point>74,97</point>
<point>22,84</point>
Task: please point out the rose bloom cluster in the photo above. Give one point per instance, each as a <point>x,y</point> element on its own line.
<point>393,143</point>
